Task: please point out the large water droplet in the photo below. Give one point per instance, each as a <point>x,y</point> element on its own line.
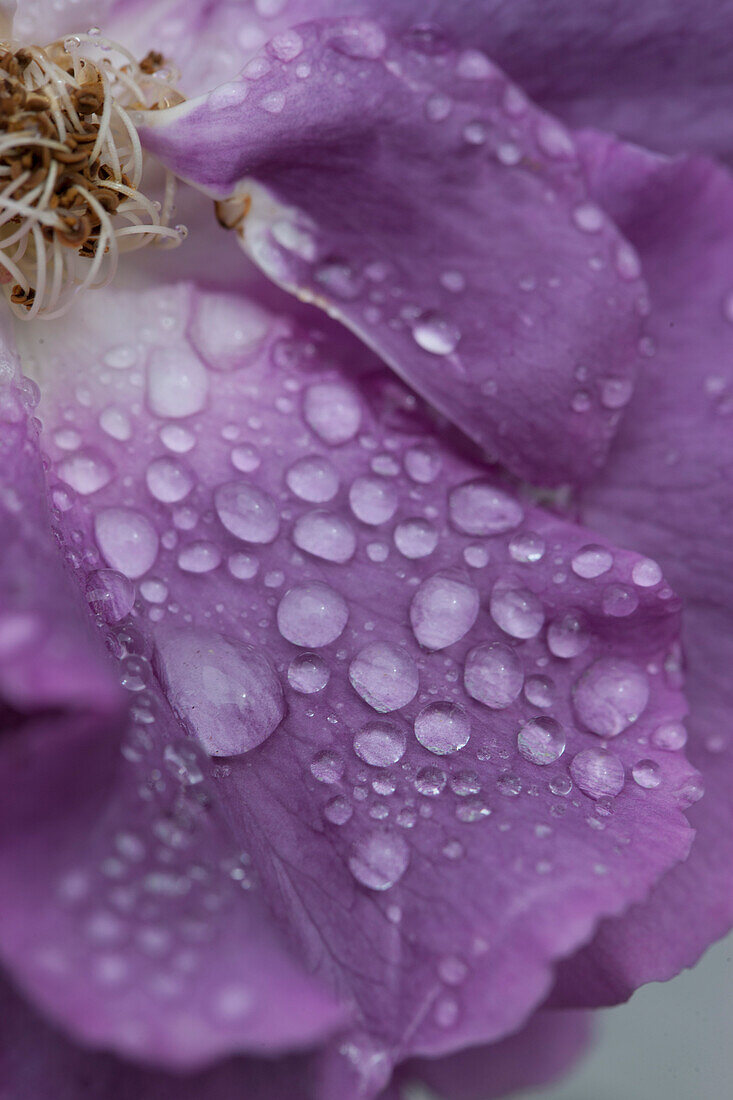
<point>168,480</point>
<point>443,727</point>
<point>479,508</point>
<point>591,562</point>
<point>379,859</point>
<point>128,540</point>
<point>541,740</point>
<point>380,743</point>
<point>247,512</point>
<point>313,479</point>
<point>443,609</point>
<point>647,774</point>
<point>493,675</point>
<point>373,500</point>
<point>225,692</point>
<point>610,695</point>
<point>312,615</point>
<point>308,673</point>
<point>436,334</point>
<point>87,471</point>
<point>670,736</point>
<point>569,635</point>
<point>110,594</point>
<point>384,675</point>
<point>177,382</point>
<point>325,535</point>
<point>598,773</point>
<point>517,611</point>
<point>332,411</point>
<point>415,538</point>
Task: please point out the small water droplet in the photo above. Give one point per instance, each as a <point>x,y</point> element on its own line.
<point>380,743</point>
<point>541,740</point>
<point>312,615</point>
<point>493,675</point>
<point>384,675</point>
<point>379,859</point>
<point>443,727</point>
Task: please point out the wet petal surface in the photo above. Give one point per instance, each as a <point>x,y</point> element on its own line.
<point>390,797</point>
<point>484,254</point>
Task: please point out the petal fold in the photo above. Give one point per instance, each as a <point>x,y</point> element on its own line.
<point>420,199</point>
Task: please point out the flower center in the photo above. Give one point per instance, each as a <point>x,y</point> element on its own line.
<point>71,168</point>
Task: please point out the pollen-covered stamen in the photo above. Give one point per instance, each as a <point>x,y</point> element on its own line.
<point>71,168</point>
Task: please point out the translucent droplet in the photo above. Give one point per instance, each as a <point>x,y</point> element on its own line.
<point>517,611</point>
<point>199,557</point>
<point>670,736</point>
<point>493,675</point>
<point>569,635</point>
<point>591,562</point>
<point>110,594</point>
<point>443,610</point>
<point>243,566</point>
<point>313,479</point>
<point>312,615</point>
<point>338,811</point>
<point>380,743</point>
<point>168,480</point>
<point>327,766</point>
<point>415,538</point>
<point>116,423</point>
<point>610,695</point>
<point>308,673</point>
<point>325,535</point>
<point>373,500</point>
<point>430,781</point>
<point>333,411</point>
<point>443,727</point>
<point>646,573</point>
<point>225,692</point>
<point>86,471</point>
<point>384,675</point>
<point>619,600</point>
<point>527,547</point>
<point>246,512</point>
<point>541,740</point>
<point>647,774</point>
<point>479,508</point>
<point>436,334</point>
<point>128,541</point>
<point>509,784</point>
<point>379,859</point>
<point>539,691</point>
<point>177,438</point>
<point>177,383</point>
<point>423,464</point>
<point>598,773</point>
<point>245,458</point>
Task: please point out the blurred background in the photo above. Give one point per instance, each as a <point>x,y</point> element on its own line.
<point>672,1041</point>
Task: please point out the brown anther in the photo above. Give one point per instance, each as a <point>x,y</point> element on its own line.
<point>152,61</point>
<point>22,297</point>
<point>88,99</point>
<point>23,57</point>
<point>73,157</point>
<point>76,232</point>
<point>231,212</point>
<point>35,101</point>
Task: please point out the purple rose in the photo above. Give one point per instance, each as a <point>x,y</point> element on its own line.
<point>365,648</point>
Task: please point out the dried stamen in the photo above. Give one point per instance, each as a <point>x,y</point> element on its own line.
<point>71,166</point>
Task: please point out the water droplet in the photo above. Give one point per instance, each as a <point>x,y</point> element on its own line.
<point>610,696</point>
<point>358,38</point>
<point>128,541</point>
<point>527,547</point>
<point>430,781</point>
<point>86,471</point>
<point>325,535</point>
<point>619,601</point>
<point>435,334</point>
<point>177,438</point>
<point>245,458</point>
<point>569,635</point>
<point>670,736</point>
<point>588,217</point>
<point>479,508</point>
<point>539,691</point>
<point>423,464</point>
<point>199,557</point>
<point>646,573</point>
<point>541,740</point>
<point>312,615</point>
<point>247,512</point>
<point>313,479</point>
<point>116,423</point>
<point>338,811</point>
<point>327,766</point>
<point>443,727</point>
<point>561,785</point>
<point>332,411</point>
<point>598,773</point>
<point>509,784</point>
<point>168,480</point>
<point>647,774</point>
<point>380,743</point>
<point>308,673</point>
<point>121,357</point>
<point>415,538</point>
<point>379,859</point>
<point>243,566</point>
<point>516,610</point>
<point>373,500</point>
<point>493,675</point>
<point>591,562</point>
<point>177,383</point>
<point>384,675</point>
<point>225,692</point>
<point>110,594</point>
<point>443,610</point>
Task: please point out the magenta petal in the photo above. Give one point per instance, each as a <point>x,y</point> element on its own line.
<point>667,490</point>
<point>421,200</point>
<point>545,1049</point>
<point>419,842</point>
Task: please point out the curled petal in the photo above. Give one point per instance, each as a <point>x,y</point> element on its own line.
<point>421,200</point>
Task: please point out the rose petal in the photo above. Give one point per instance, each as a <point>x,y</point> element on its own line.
<point>455,244</point>
<point>429,872</point>
<point>667,490</point>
